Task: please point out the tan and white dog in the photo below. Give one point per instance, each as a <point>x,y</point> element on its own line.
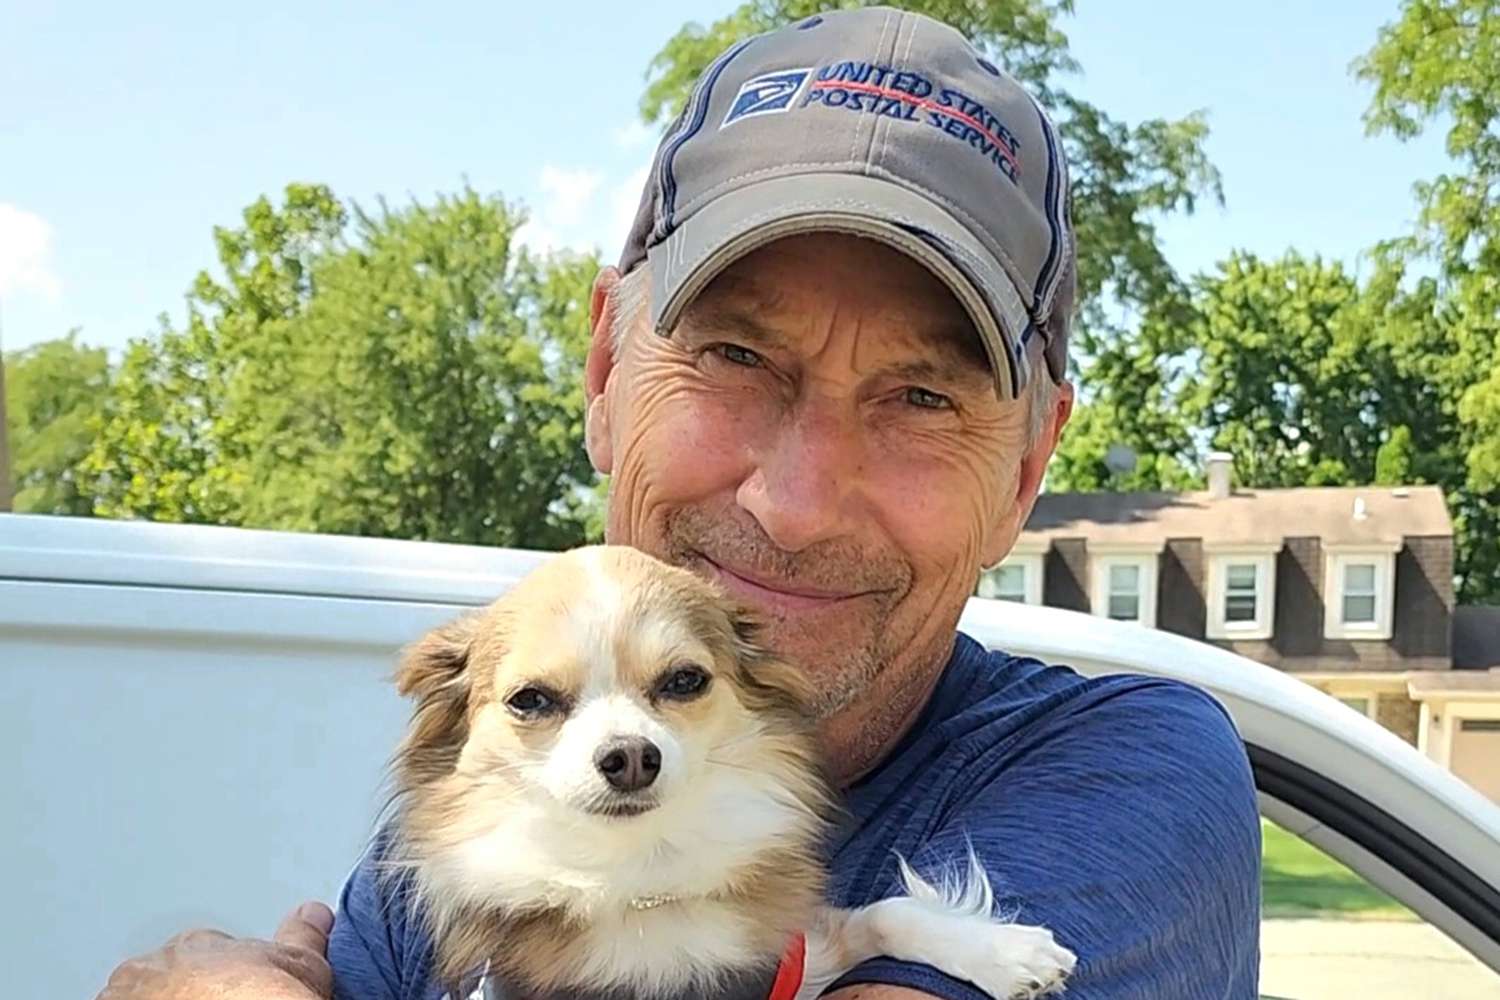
<point>608,788</point>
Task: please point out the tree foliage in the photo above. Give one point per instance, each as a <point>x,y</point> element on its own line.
<point>54,389</point>
<point>1438,65</point>
<point>1310,377</point>
<point>401,373</point>
<point>408,372</point>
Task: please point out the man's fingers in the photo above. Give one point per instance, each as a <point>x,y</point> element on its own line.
<point>308,968</point>
<point>308,926</point>
<point>303,937</point>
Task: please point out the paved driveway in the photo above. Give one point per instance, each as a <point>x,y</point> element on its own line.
<point>1368,960</point>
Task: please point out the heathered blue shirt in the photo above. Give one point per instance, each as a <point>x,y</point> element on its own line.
<point>1117,811</point>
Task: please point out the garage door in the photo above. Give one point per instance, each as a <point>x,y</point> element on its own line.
<point>1476,755</point>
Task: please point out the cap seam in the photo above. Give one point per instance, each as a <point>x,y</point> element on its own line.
<point>885,126</point>
<point>893,19</point>
<point>890,18</point>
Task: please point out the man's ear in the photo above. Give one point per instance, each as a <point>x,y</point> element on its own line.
<point>1033,469</point>
<point>601,363</point>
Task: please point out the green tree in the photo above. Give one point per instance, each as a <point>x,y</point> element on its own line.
<point>1310,377</point>
<point>402,373</point>
<point>54,390</point>
<point>1438,65</point>
<point>1395,460</point>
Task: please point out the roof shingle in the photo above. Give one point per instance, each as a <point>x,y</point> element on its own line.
<point>1245,517</point>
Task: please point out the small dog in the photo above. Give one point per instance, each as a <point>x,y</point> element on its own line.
<point>609,789</point>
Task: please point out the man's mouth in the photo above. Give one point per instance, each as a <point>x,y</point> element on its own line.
<point>778,595</point>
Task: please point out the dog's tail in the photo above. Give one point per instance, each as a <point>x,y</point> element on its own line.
<point>966,892</point>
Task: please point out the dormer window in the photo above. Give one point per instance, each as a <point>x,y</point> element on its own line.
<point>1123,587</point>
<point>1359,592</point>
<point>1018,578</point>
<point>1241,592</point>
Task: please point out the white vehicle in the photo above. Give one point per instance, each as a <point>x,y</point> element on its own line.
<point>200,719</point>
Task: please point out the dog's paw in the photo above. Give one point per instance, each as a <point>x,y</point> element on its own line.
<point>1021,962</point>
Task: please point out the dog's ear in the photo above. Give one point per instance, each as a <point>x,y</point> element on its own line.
<point>768,679</point>
<point>434,671</point>
<point>439,660</point>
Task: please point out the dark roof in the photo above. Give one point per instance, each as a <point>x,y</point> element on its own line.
<point>1476,638</point>
<point>1338,515</point>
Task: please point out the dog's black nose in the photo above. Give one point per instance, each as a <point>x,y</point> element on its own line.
<point>629,763</point>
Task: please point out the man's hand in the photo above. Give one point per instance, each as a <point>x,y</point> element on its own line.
<point>201,964</point>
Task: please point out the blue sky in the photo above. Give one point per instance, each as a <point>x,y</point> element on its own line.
<point>128,131</point>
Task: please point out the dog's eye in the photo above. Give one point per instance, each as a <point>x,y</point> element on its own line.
<point>683,682</point>
<point>530,701</point>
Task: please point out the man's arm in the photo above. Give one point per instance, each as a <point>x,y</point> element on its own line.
<point>1128,827</point>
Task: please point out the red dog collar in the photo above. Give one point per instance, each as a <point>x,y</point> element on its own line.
<point>789,973</point>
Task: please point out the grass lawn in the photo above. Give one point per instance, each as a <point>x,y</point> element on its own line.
<point>1298,880</point>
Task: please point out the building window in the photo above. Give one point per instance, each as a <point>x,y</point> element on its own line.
<point>1004,583</point>
<point>1359,593</point>
<point>1365,705</point>
<point>1241,594</point>
<point>1018,578</point>
<point>1124,599</point>
<point>1124,585</point>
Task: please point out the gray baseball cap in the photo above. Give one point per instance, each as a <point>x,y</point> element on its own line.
<point>880,123</point>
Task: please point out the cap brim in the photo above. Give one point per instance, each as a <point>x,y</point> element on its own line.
<point>747,218</point>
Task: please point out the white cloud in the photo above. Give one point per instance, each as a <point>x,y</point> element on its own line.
<point>562,207</point>
<point>583,209</point>
<point>568,192</point>
<point>26,263</point>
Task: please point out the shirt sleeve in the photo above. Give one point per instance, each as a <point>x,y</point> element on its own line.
<point>364,947</point>
<point>1128,826</point>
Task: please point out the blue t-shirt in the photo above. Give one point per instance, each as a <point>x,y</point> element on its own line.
<point>1117,811</point>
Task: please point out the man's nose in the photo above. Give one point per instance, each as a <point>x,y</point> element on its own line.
<point>804,477</point>
<point>629,763</point>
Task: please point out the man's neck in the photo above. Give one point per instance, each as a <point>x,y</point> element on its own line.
<point>859,738</point>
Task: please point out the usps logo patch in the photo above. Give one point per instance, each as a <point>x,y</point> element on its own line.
<point>767,94</point>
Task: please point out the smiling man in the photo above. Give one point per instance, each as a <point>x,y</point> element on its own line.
<point>829,372</point>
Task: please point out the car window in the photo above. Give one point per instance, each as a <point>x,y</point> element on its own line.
<point>1328,934</point>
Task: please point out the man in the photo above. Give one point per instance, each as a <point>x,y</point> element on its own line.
<point>829,373</point>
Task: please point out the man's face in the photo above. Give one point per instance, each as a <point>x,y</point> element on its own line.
<point>822,435</point>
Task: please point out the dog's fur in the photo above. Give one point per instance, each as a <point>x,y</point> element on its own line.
<point>524,860</point>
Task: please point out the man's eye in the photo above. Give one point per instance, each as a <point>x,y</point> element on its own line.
<point>927,399</point>
<point>735,354</point>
